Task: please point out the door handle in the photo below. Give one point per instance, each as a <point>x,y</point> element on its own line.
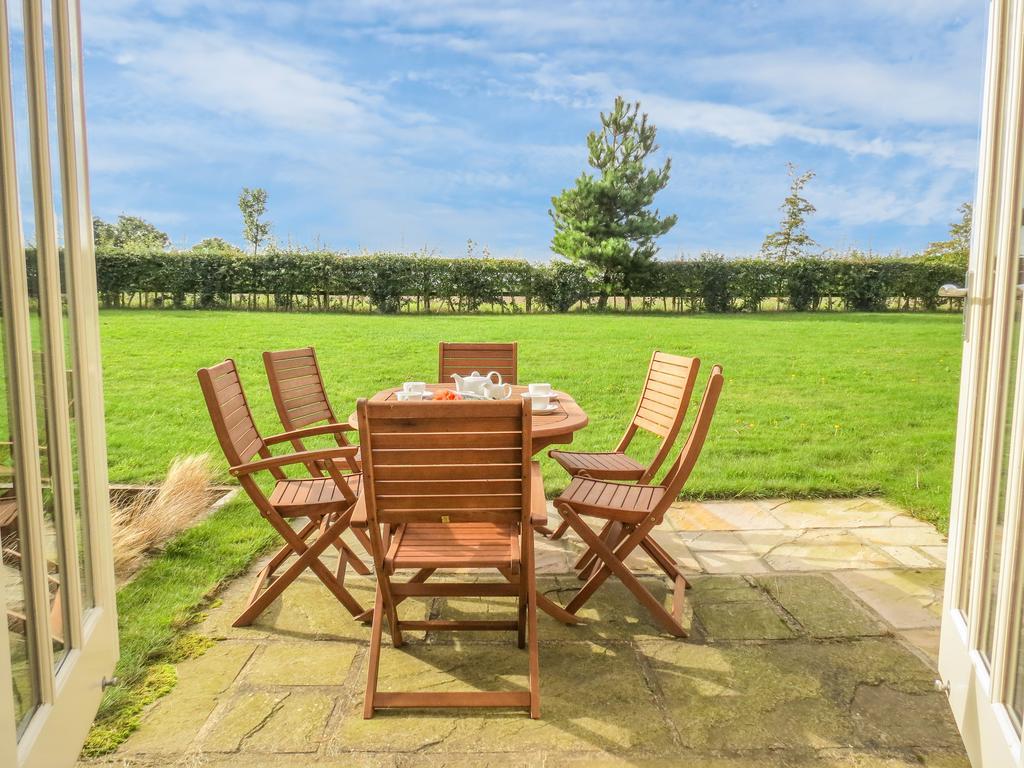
<point>952,291</point>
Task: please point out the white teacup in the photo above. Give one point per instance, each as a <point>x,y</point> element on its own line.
<point>404,396</point>
<point>540,402</point>
<point>540,389</point>
<point>419,387</point>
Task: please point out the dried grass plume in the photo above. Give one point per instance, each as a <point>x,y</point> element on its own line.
<point>146,520</point>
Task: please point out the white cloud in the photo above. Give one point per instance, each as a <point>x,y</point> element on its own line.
<point>746,127</point>
<point>851,87</point>
<point>907,199</point>
<point>224,75</point>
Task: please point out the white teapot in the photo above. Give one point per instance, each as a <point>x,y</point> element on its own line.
<point>476,384</point>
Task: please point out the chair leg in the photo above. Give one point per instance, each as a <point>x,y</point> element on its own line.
<point>390,609</point>
<point>679,587</point>
<point>612,562</point>
<point>267,573</point>
<point>530,577</point>
<point>559,532</point>
<point>329,536</point>
<point>345,551</point>
<point>613,536</point>
<point>308,557</point>
<point>373,663</point>
<point>523,610</point>
<point>662,558</point>
<point>550,607</point>
<point>588,555</point>
<point>363,539</point>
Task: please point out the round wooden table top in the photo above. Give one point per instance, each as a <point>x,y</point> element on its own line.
<point>556,427</point>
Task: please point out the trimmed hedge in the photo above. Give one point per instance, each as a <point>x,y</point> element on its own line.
<point>392,283</point>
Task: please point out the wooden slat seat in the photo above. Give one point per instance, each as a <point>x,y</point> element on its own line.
<point>608,500</point>
<point>454,545</point>
<point>605,466</point>
<point>297,498</point>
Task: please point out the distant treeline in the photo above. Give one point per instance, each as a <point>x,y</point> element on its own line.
<point>391,283</point>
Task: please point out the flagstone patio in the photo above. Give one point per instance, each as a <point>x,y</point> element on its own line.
<point>814,634</point>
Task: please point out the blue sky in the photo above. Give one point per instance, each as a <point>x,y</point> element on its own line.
<point>407,125</point>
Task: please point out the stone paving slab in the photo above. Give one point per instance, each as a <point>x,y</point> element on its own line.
<point>907,599</point>
<point>171,723</point>
<point>814,628</point>
<point>780,696</point>
<point>820,607</point>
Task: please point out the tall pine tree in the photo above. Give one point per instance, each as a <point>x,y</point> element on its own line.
<point>605,220</point>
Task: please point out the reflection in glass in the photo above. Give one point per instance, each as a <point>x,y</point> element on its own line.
<point>68,205</point>
<point>25,683</point>
<point>23,666</point>
<point>994,545</point>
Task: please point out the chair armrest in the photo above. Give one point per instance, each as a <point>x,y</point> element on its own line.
<point>299,457</point>
<point>538,503</point>
<point>298,434</point>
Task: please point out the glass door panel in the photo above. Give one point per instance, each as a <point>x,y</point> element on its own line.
<point>994,544</point>
<point>15,575</point>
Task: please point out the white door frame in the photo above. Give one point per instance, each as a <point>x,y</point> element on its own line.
<point>69,696</point>
<point>978,683</point>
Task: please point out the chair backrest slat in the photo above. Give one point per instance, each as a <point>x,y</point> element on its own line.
<point>662,405</point>
<point>297,386</point>
<point>464,358</point>
<point>681,468</point>
<point>666,393</point>
<point>455,462</point>
<point>229,411</point>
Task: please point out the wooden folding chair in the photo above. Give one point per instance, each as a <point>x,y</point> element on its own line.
<point>453,486</point>
<point>631,512</point>
<point>327,502</point>
<point>297,387</point>
<point>660,411</point>
<point>463,359</point>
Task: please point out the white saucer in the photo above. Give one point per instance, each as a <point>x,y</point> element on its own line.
<point>552,396</point>
<point>551,408</point>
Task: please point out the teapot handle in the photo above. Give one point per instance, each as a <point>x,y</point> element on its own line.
<point>495,373</point>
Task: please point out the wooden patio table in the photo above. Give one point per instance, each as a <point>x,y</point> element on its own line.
<point>556,427</point>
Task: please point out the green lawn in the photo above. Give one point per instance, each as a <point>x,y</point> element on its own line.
<point>813,405</point>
